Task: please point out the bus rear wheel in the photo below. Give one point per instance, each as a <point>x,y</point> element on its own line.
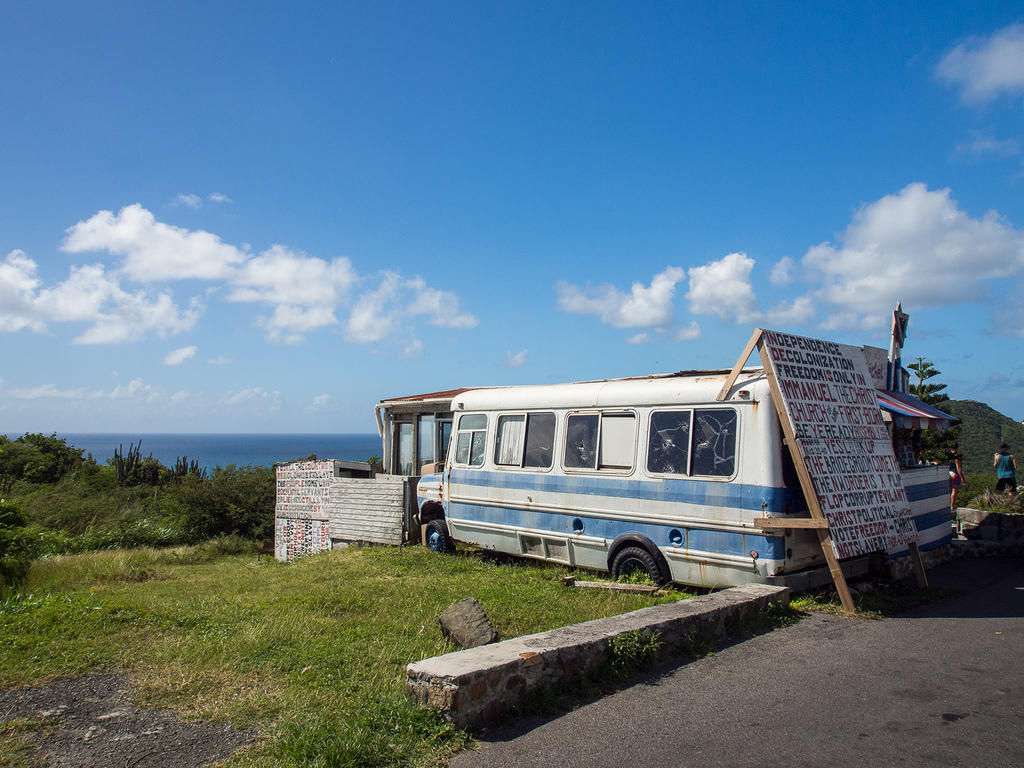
<point>437,537</point>
<point>630,561</point>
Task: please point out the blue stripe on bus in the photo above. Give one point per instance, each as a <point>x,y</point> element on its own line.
<point>927,490</point>
<point>934,519</point>
<point>940,542</point>
<point>700,492</point>
<point>561,524</point>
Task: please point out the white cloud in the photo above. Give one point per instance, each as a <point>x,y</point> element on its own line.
<point>321,402</point>
<point>986,144</point>
<point>217,197</point>
<point>304,293</point>
<point>44,392</point>
<point>219,360</point>
<point>984,67</point>
<point>189,201</point>
<point>515,360</point>
<point>440,307</point>
<point>916,246</point>
<point>395,307</point>
<point>18,284</point>
<point>639,338</point>
<point>89,295</point>
<point>281,276</point>
<point>179,356</point>
<point>782,272</point>
<point>642,307</point>
<point>370,319</point>
<point>133,315</point>
<point>795,312</point>
<point>152,251</point>
<point>304,289</point>
<point>136,389</point>
<point>692,332</point>
<point>253,396</point>
<point>287,324</point>
<point>412,348</point>
<point>723,288</point>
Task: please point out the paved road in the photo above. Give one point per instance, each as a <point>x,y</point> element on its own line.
<point>941,686</point>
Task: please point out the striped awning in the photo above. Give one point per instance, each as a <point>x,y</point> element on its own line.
<point>909,412</point>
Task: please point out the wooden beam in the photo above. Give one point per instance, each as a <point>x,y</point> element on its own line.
<point>730,380</point>
<point>799,461</point>
<point>790,522</point>
<point>570,581</point>
<point>919,571</point>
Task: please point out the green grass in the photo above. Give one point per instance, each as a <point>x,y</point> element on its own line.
<point>16,749</point>
<point>312,653</point>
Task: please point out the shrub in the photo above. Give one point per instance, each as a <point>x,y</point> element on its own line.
<point>633,651</point>
<point>37,458</point>
<point>999,502</point>
<point>233,500</point>
<point>978,491</point>
<point>15,551</point>
<point>973,486</point>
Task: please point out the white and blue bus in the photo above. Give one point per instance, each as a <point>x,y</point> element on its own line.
<point>648,473</point>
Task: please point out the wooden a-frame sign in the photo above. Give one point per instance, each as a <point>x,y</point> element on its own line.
<point>850,479</point>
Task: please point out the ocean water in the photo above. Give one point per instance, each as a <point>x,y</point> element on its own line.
<point>213,450</point>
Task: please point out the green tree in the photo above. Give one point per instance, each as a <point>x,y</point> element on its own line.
<point>935,444</point>
<point>924,390</point>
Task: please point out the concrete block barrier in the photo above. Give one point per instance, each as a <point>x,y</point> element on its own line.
<point>479,685</point>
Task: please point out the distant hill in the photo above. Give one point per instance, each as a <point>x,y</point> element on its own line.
<point>982,429</point>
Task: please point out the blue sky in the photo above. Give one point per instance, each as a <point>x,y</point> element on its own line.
<point>265,218</point>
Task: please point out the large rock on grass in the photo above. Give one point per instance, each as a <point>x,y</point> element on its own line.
<point>466,624</point>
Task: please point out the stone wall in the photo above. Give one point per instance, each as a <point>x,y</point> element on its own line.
<point>983,525</point>
<point>477,686</point>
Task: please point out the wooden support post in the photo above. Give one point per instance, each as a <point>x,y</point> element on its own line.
<point>919,571</point>
<point>799,461</point>
<point>730,380</point>
<point>790,522</point>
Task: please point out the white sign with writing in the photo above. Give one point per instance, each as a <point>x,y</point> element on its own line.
<point>829,396</point>
<point>304,489</point>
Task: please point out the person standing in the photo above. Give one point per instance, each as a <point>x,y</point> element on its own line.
<point>956,476</point>
<point>1006,469</point>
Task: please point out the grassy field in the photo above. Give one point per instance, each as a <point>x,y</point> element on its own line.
<point>311,653</point>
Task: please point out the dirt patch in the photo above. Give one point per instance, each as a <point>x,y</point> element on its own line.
<point>91,722</point>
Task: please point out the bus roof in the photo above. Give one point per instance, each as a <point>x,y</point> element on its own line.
<point>658,389</point>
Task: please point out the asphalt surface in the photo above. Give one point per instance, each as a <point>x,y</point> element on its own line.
<point>942,685</point>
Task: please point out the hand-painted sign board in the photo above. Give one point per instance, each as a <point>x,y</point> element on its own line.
<point>304,489</point>
<point>828,395</point>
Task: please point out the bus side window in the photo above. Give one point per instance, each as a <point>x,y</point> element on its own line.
<point>668,447</point>
<point>472,435</point>
<point>600,441</point>
<point>618,441</point>
<point>540,440</point>
<point>714,442</point>
<point>581,441</point>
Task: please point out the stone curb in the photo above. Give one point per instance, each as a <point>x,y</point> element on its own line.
<point>474,687</point>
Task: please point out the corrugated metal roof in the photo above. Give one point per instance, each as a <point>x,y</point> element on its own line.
<point>445,394</point>
<point>911,413</point>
